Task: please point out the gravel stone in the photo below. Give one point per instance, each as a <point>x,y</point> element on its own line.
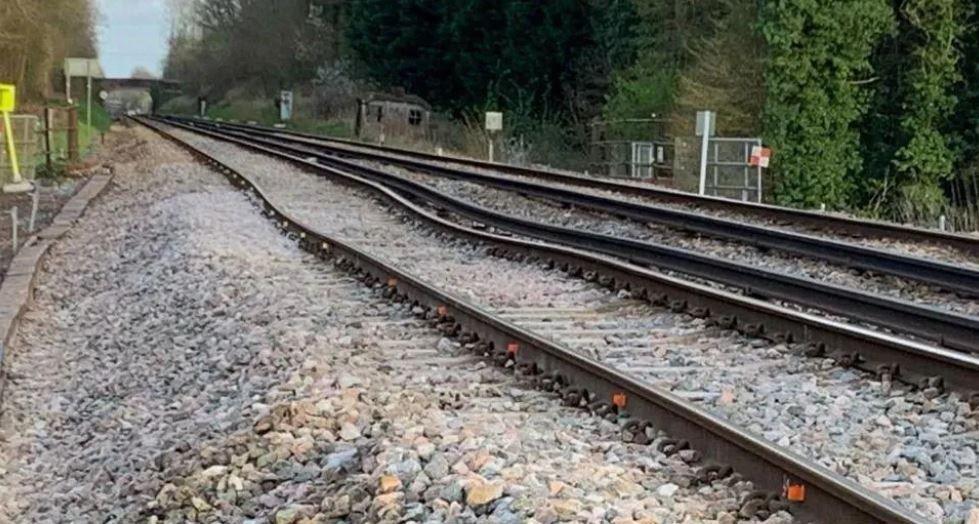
<point>184,362</point>
<point>809,405</point>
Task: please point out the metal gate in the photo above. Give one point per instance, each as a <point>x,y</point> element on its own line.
<point>632,148</point>
<point>642,160</point>
<point>729,170</point>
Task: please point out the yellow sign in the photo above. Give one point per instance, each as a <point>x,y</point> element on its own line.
<point>8,95</point>
<point>7,99</point>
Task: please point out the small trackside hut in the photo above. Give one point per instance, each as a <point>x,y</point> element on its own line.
<point>382,116</point>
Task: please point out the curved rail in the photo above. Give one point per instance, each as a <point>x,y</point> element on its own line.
<point>827,495</point>
<point>953,330</point>
<point>866,349</point>
<point>807,218</point>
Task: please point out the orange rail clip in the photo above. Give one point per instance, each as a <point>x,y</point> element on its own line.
<point>392,282</point>
<point>442,311</point>
<point>795,492</point>
<point>512,347</point>
<point>619,400</point>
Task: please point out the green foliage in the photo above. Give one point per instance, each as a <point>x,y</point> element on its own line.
<point>819,51</point>
<point>664,38</point>
<point>36,36</point>
<point>101,121</point>
<point>912,141</point>
<point>726,74</point>
<point>965,119</point>
<point>641,93</point>
<point>463,54</point>
<point>855,96</point>
<point>242,107</point>
<point>926,158</point>
<point>269,45</point>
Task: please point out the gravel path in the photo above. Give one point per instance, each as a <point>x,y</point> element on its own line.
<point>935,252</point>
<point>918,450</point>
<point>542,210</point>
<point>184,362</point>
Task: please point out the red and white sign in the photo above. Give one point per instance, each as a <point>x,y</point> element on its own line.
<point>760,156</point>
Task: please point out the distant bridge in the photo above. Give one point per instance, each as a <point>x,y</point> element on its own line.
<point>138,83</point>
<point>142,95</point>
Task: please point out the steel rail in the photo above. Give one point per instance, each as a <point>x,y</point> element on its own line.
<point>812,219</point>
<point>872,351</point>
<point>827,495</point>
<point>947,276</point>
<point>953,330</point>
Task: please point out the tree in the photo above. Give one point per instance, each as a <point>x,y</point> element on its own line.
<point>913,139</point>
<point>36,36</point>
<point>817,75</point>
<point>255,43</point>
<point>664,39</point>
<point>926,157</point>
<point>462,54</point>
<point>725,74</point>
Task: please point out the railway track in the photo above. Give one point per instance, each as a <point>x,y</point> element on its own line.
<point>277,351</point>
<point>952,329</point>
<point>529,346</point>
<point>947,275</point>
<point>555,213</point>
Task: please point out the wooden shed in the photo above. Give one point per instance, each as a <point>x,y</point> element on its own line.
<point>382,116</point>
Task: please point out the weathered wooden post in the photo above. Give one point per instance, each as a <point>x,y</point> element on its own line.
<point>73,134</point>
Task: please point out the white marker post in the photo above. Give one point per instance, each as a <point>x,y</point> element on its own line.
<point>285,106</point>
<point>705,129</point>
<point>13,228</point>
<point>35,200</point>
<point>494,124</point>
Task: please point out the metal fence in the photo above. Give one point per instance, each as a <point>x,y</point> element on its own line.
<point>25,131</point>
<point>729,172</point>
<point>635,148</point>
<point>48,139</point>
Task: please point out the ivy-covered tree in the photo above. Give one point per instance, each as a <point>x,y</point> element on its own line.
<point>926,158</point>
<point>816,75</point>
<point>966,115</point>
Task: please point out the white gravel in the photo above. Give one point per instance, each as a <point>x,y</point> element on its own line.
<point>184,362</point>
<point>918,450</point>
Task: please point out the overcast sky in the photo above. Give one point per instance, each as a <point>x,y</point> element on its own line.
<point>132,33</point>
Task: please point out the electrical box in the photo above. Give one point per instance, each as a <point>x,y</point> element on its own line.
<point>8,95</point>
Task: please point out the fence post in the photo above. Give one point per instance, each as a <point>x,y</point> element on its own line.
<point>704,127</point>
<point>35,200</point>
<point>73,134</point>
<point>48,142</point>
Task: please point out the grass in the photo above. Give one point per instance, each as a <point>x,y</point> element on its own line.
<point>101,122</point>
<point>261,111</point>
<point>87,139</point>
<point>264,114</point>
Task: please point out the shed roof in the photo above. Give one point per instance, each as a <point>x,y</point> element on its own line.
<point>399,98</point>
